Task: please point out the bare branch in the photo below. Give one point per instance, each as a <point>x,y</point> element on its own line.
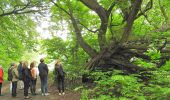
<point>88,28</point>
<point>60,7</point>
<point>21,9</point>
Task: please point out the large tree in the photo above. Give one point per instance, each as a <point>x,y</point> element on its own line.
<point>115,22</point>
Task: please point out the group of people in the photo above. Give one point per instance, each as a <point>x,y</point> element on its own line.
<point>23,74</point>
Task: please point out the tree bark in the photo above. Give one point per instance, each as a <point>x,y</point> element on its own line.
<point>86,47</point>
<point>104,16</point>
<point>127,29</point>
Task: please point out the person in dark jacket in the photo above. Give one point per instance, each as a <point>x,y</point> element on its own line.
<point>26,75</point>
<point>59,74</point>
<point>43,73</point>
<point>20,82</point>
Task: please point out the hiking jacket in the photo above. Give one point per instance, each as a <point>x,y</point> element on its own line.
<point>20,70</point>
<point>59,72</point>
<point>1,75</point>
<point>26,74</point>
<point>14,74</point>
<point>34,72</point>
<point>43,70</point>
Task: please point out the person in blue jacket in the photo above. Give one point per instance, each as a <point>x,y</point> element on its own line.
<point>43,73</point>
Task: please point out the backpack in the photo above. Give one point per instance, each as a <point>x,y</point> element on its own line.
<point>10,74</point>
<point>1,74</point>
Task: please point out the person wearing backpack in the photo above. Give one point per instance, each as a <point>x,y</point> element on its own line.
<point>26,74</point>
<point>59,74</point>
<point>10,76</point>
<point>14,80</point>
<point>20,82</point>
<point>33,70</point>
<point>1,78</point>
<point>43,73</point>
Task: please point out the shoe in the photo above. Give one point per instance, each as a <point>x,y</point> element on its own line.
<point>43,94</point>
<point>63,93</point>
<point>27,97</point>
<point>46,94</point>
<point>59,93</point>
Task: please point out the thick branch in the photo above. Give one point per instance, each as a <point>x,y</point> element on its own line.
<point>94,5</point>
<point>110,8</point>
<point>130,20</point>
<point>147,8</point>
<point>86,47</point>
<point>104,16</point>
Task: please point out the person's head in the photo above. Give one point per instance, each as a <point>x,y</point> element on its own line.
<point>25,64</point>
<point>14,65</point>
<point>32,64</point>
<point>0,66</point>
<point>42,60</point>
<point>21,62</point>
<point>58,62</point>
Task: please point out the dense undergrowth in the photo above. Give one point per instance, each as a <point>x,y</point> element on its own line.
<point>115,85</point>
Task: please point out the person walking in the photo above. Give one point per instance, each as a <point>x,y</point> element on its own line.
<point>20,82</point>
<point>43,73</point>
<point>26,74</point>
<point>14,80</point>
<point>33,78</point>
<point>59,74</point>
<point>10,76</point>
<point>1,78</point>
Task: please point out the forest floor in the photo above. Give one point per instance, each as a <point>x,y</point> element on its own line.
<point>69,95</point>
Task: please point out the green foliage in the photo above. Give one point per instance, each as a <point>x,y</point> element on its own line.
<point>166,67</point>
<point>125,87</point>
<point>84,95</point>
<point>153,53</point>
<point>116,85</point>
<point>158,87</point>
<point>143,63</point>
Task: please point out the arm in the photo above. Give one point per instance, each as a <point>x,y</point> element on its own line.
<point>46,68</point>
<point>16,72</point>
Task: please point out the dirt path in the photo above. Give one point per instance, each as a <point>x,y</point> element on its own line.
<point>52,90</point>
